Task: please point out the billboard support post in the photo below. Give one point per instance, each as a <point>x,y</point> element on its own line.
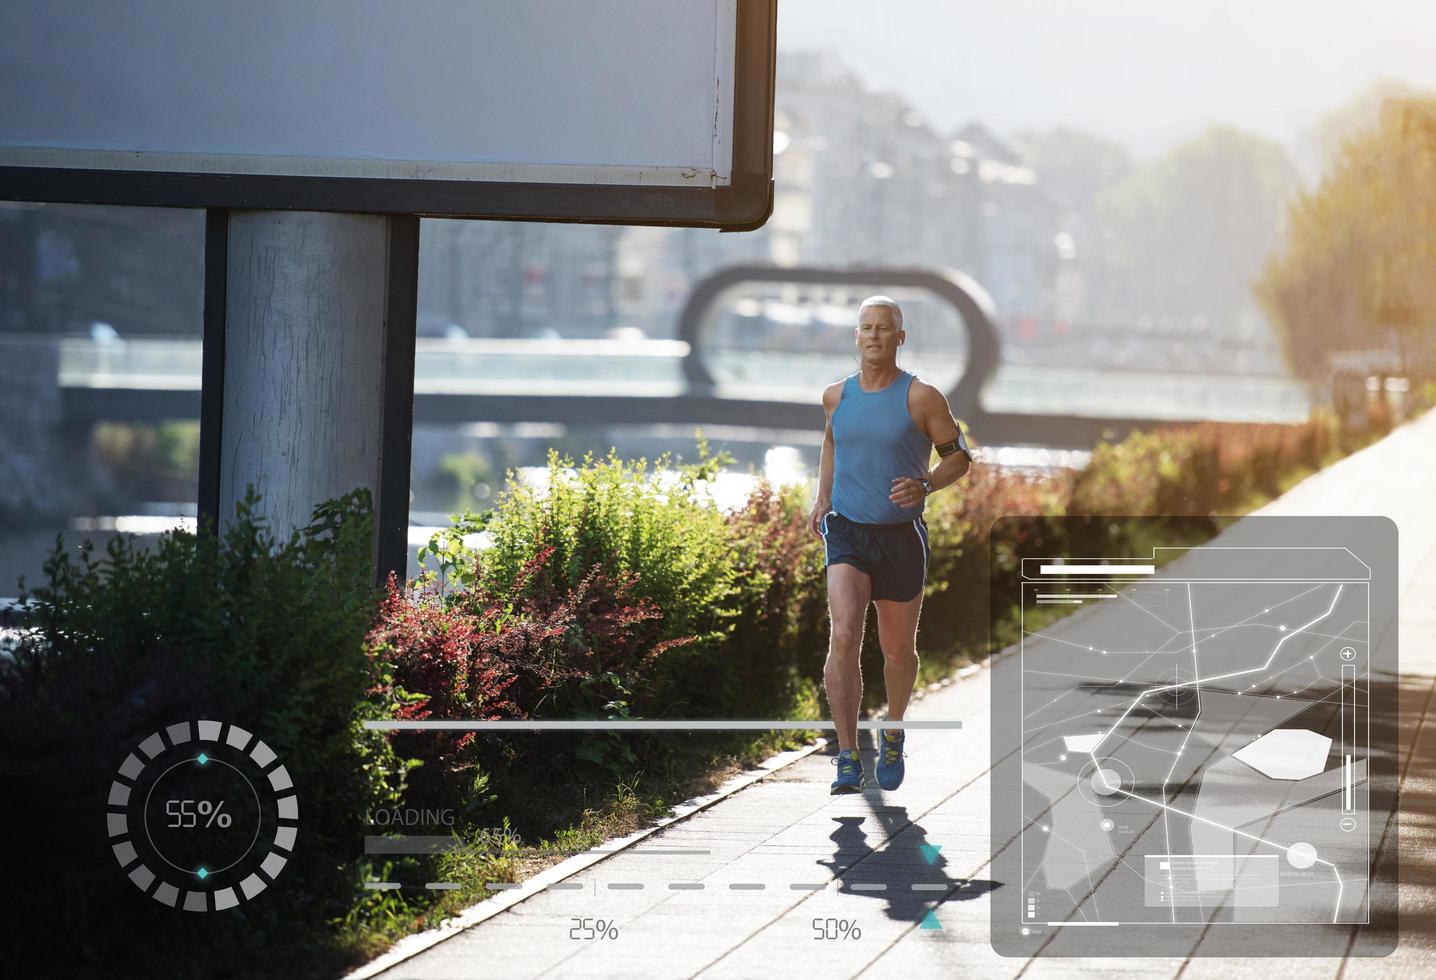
<point>312,342</point>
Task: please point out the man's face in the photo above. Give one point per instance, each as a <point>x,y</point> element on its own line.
<point>878,336</point>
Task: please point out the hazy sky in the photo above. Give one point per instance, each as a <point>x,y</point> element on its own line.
<point>1146,72</point>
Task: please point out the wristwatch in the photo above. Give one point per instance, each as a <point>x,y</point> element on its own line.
<point>926,486</point>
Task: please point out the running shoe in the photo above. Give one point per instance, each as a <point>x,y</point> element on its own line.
<point>850,773</point>
<point>890,768</point>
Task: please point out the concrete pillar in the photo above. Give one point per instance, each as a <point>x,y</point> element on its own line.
<point>303,394</point>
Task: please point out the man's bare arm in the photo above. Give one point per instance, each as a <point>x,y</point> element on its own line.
<point>824,500</point>
<point>934,417</point>
<point>942,428</point>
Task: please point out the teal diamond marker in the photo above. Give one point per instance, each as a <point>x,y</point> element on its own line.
<point>203,874</point>
<point>929,921</point>
<point>201,758</point>
<point>929,851</point>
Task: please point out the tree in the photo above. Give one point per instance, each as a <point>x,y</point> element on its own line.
<point>1355,270</point>
<point>1319,144</point>
<point>1076,165</point>
<point>1079,168</point>
<point>1186,234</point>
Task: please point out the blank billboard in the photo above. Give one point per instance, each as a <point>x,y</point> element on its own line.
<point>428,106</point>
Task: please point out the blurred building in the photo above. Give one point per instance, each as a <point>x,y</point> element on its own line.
<point>66,267</point>
<point>517,279</point>
<point>863,178</point>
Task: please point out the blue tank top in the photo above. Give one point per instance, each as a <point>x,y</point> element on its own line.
<point>875,440</point>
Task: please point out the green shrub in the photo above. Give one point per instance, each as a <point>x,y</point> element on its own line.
<point>712,615</point>
<point>953,628</point>
<point>612,514</point>
<point>772,659</point>
<point>237,627</point>
<point>1210,468</point>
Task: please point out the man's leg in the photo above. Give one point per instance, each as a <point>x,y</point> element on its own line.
<point>848,591</point>
<point>897,635</point>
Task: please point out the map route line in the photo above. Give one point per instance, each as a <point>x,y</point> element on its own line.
<point>1340,886</point>
<point>1175,634</point>
<point>1311,659</point>
<point>1166,820</point>
<point>1126,677</point>
<point>1168,687</point>
<point>1088,865</point>
<point>1299,631</point>
<point>1084,646</point>
<point>1121,680</point>
<point>1196,636</point>
<point>1128,599</point>
<point>1051,805</point>
<point>1207,921</point>
<point>1197,680</point>
<point>1131,844</point>
<point>1328,636</point>
<point>1047,809</point>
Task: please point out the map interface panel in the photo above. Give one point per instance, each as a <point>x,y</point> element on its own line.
<point>1196,767</point>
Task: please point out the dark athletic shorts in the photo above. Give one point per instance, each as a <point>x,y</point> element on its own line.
<point>894,556</point>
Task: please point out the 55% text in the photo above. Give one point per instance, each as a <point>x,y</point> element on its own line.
<point>186,813</point>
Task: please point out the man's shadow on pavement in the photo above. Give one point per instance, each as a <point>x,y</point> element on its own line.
<point>899,856</point>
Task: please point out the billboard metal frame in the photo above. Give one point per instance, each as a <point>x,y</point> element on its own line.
<point>743,205</point>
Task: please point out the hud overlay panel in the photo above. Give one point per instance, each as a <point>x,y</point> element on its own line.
<point>1202,763</point>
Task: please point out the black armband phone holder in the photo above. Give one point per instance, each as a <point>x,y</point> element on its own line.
<point>957,445</point>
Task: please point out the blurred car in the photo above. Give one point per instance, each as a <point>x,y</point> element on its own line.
<point>434,325</point>
<point>103,333</point>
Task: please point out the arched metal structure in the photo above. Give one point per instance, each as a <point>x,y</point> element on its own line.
<point>697,397</point>
<point>984,347</point>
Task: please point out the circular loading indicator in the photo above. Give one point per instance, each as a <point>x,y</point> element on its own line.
<point>186,811</point>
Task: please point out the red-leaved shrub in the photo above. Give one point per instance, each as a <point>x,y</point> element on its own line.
<point>585,652</point>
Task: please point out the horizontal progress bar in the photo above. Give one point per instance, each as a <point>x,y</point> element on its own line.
<point>1077,595</point>
<point>1065,925</point>
<point>639,726</point>
<point>432,844</point>
<point>694,886</point>
<point>1097,569</point>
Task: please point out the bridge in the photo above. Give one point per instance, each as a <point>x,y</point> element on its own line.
<point>692,380</point>
<point>641,382</point>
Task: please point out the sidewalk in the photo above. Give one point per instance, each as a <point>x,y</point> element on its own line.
<point>758,868</point>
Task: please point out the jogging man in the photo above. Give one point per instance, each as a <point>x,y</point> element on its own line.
<point>873,480</point>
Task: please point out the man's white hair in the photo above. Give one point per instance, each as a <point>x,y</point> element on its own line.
<point>880,300</point>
